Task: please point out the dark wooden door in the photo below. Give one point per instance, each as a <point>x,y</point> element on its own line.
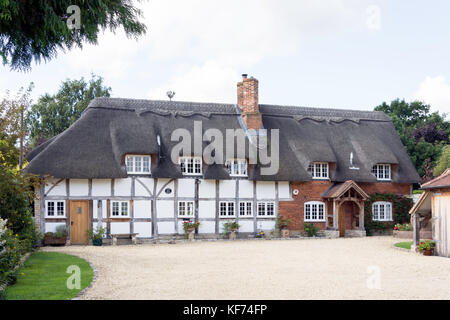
<point>342,220</point>
<point>79,221</point>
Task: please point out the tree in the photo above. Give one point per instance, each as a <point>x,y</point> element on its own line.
<point>443,162</point>
<point>424,134</point>
<point>12,110</point>
<point>53,114</point>
<point>37,29</point>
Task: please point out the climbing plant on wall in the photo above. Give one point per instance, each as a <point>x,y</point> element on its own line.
<point>400,214</point>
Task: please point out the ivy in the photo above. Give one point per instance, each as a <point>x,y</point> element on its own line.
<point>400,204</point>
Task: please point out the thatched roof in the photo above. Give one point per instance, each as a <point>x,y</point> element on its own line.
<point>95,145</point>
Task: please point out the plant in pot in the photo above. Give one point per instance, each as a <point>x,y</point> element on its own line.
<point>96,236</point>
<point>426,247</point>
<point>230,228</point>
<point>189,228</point>
<point>310,229</point>
<point>56,238</point>
<point>282,224</point>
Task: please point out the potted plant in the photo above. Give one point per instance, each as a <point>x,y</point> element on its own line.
<point>231,228</point>
<point>310,229</point>
<point>282,224</point>
<point>57,238</point>
<point>96,236</point>
<point>189,228</point>
<point>426,247</point>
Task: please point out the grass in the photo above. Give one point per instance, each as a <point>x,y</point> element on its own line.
<point>44,277</point>
<point>404,245</point>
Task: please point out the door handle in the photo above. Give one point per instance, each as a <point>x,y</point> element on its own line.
<point>71,223</point>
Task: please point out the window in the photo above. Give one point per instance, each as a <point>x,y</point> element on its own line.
<point>266,209</point>
<point>56,209</point>
<point>319,170</point>
<point>245,209</point>
<point>236,167</point>
<point>138,164</point>
<point>186,209</point>
<point>382,171</point>
<point>119,209</point>
<point>382,211</point>
<point>314,211</point>
<point>190,165</point>
<point>226,209</point>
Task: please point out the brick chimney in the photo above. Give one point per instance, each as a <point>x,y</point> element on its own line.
<point>247,99</point>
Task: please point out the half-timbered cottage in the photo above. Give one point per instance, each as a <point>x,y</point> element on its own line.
<point>113,168</point>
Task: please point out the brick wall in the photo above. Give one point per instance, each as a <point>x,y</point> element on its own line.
<point>312,190</point>
<point>247,100</point>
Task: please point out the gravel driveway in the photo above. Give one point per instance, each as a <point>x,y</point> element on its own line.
<point>276,269</point>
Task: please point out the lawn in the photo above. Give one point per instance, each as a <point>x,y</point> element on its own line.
<point>44,277</point>
<point>404,245</point>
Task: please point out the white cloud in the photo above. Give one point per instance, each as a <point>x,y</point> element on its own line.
<point>373,19</point>
<point>436,92</point>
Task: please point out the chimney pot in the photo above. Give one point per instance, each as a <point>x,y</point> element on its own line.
<point>247,94</point>
<point>244,76</point>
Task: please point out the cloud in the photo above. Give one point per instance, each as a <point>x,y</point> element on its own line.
<point>373,18</point>
<point>436,92</point>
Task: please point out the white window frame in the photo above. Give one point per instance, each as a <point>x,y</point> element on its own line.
<point>184,168</point>
<point>316,169</point>
<point>266,205</point>
<point>132,158</point>
<point>314,205</point>
<point>231,164</point>
<point>381,167</point>
<point>120,216</point>
<point>228,205</point>
<point>187,205</point>
<point>248,210</point>
<point>376,211</point>
<point>55,204</point>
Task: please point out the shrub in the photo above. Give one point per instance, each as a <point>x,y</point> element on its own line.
<point>98,234</point>
<point>310,229</point>
<point>403,227</point>
<point>282,222</point>
<point>230,226</point>
<point>189,225</point>
<point>11,250</point>
<point>426,245</point>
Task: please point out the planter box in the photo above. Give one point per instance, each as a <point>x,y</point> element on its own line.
<point>52,241</point>
<point>424,234</point>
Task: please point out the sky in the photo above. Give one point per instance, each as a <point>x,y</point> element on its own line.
<point>349,54</point>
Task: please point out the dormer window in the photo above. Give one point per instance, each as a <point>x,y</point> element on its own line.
<point>137,164</point>
<point>382,171</point>
<point>190,165</point>
<point>318,170</point>
<point>236,167</point>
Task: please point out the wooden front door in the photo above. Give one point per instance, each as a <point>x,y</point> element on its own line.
<point>79,221</point>
<point>342,220</point>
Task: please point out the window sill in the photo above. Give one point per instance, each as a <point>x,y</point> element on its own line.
<point>322,221</point>
<point>267,217</point>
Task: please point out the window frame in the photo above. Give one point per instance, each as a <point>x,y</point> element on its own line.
<point>186,204</point>
<point>120,216</point>
<point>55,208</point>
<point>133,158</point>
<point>266,205</point>
<point>384,165</point>
<point>227,209</point>
<point>312,169</point>
<point>185,166</point>
<point>387,217</point>
<point>246,209</point>
<point>231,168</point>
<point>312,203</point>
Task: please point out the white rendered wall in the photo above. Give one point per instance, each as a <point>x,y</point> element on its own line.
<point>166,227</point>
<point>206,209</point>
<point>207,227</point>
<point>122,187</point>
<point>139,190</point>
<point>144,229</point>
<point>120,227</point>
<point>142,208</point>
<point>159,186</point>
<point>164,208</point>
<point>207,189</point>
<point>101,187</point>
<point>245,189</point>
<point>186,188</point>
<point>265,190</point>
<point>283,190</point>
<point>266,225</point>
<point>227,189</point>
<point>79,187</point>
<point>58,190</point>
<point>246,226</point>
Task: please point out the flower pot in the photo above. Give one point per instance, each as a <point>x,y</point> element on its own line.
<point>97,242</point>
<point>427,252</point>
<point>191,234</point>
<point>285,233</point>
<point>53,241</point>
<point>233,235</point>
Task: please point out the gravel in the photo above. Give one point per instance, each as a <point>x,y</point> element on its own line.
<point>345,268</point>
